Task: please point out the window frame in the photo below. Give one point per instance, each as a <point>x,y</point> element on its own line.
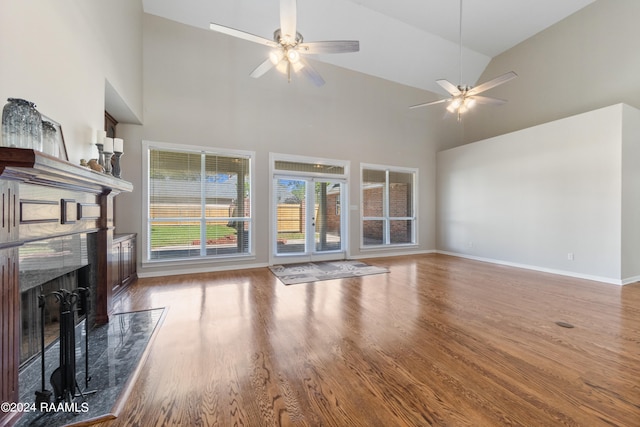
<point>147,147</point>
<point>386,218</point>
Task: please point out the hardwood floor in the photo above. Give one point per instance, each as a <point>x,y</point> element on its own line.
<point>439,341</point>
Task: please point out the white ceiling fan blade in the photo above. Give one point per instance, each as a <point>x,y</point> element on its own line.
<point>242,35</point>
<point>288,22</point>
<point>311,73</point>
<point>493,83</point>
<point>449,87</point>
<point>262,68</point>
<point>488,100</point>
<point>440,101</point>
<point>334,46</point>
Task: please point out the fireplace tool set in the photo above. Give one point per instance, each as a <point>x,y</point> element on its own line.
<point>63,379</point>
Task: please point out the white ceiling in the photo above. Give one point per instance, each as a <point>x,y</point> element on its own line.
<point>412,42</point>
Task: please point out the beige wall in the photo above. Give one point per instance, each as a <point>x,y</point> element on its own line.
<point>587,61</point>
<point>197,91</point>
<point>60,54</point>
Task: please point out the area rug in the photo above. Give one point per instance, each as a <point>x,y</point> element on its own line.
<point>116,351</point>
<point>292,274</point>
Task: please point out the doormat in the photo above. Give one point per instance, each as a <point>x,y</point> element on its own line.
<point>292,274</point>
<point>116,352</point>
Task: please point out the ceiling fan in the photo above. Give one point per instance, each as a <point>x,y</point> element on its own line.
<point>289,47</point>
<point>464,97</point>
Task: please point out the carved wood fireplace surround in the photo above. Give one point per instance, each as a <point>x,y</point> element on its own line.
<point>45,198</point>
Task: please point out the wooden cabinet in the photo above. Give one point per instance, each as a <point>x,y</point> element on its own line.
<point>123,265</point>
<point>128,260</point>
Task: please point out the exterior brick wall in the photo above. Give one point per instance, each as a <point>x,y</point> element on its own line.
<point>399,197</point>
<point>333,213</point>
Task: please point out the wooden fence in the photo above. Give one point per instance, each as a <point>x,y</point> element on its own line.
<point>290,217</point>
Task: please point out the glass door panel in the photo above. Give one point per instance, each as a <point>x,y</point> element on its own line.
<point>328,216</point>
<point>291,223</point>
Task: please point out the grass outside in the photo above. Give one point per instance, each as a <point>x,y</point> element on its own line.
<point>180,235</point>
<point>291,236</point>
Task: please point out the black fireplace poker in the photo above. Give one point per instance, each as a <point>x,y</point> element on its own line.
<point>43,395</point>
<point>84,303</point>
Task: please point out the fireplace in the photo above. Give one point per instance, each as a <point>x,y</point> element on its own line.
<point>47,266</point>
<point>56,231</point>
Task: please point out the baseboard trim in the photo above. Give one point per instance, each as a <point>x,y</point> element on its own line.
<point>214,268</point>
<point>607,280</point>
<point>630,280</point>
<point>203,269</point>
<point>386,253</point>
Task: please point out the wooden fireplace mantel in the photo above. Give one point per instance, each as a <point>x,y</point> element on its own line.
<point>43,197</point>
<point>31,166</point>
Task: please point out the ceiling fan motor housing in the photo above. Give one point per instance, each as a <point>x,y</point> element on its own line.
<point>277,36</point>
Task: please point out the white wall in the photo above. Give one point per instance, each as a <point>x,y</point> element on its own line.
<point>197,91</point>
<point>630,194</point>
<point>59,54</point>
<point>587,61</point>
<point>533,196</point>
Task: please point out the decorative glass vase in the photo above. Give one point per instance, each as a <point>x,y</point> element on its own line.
<point>21,125</point>
<point>49,139</point>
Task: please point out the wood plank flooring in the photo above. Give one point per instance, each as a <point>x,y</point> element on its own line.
<point>438,341</point>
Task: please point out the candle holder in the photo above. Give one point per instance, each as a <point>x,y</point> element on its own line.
<point>107,162</point>
<point>116,164</point>
<point>100,154</point>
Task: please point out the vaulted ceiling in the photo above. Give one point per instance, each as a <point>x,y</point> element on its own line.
<point>412,42</point>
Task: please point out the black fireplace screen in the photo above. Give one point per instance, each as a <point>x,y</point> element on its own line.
<point>31,317</point>
<point>47,266</point>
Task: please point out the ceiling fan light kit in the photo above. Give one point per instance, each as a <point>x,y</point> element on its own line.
<point>461,105</point>
<point>288,46</point>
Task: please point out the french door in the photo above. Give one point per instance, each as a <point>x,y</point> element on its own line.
<point>309,219</point>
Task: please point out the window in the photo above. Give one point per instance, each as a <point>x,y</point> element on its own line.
<point>388,206</point>
<point>198,204</point>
